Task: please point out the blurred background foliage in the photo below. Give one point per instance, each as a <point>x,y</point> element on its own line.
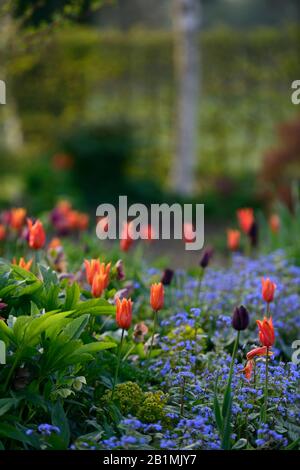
<point>95,107</point>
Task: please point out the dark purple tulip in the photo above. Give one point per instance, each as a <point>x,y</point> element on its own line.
<point>167,277</point>
<point>240,318</point>
<point>206,257</point>
<point>253,234</point>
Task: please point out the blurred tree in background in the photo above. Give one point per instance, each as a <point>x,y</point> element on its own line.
<point>76,82</point>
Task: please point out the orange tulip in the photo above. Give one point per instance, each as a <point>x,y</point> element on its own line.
<point>124,313</point>
<point>268,289</point>
<point>99,284</point>
<point>23,264</point>
<point>94,267</point>
<point>274,222</point>
<point>266,332</point>
<point>37,235</point>
<point>2,232</point>
<point>246,219</point>
<point>82,221</point>
<point>247,371</point>
<point>91,268</point>
<point>17,218</point>
<point>54,243</point>
<point>157,296</point>
<point>233,239</point>
<point>258,352</point>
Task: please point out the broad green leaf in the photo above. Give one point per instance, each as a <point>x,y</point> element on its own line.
<point>59,419</point>
<point>6,404</point>
<point>227,424</point>
<point>6,331</point>
<point>93,348</point>
<point>74,329</point>
<point>72,296</point>
<point>23,274</point>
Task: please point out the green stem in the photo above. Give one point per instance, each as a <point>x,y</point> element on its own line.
<point>11,371</point>
<point>153,334</point>
<point>235,348</point>
<point>182,397</point>
<point>268,309</point>
<point>118,364</point>
<point>266,387</point>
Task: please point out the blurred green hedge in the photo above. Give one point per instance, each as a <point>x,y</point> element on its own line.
<point>80,76</point>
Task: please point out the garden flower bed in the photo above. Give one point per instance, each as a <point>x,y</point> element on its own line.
<point>184,364</point>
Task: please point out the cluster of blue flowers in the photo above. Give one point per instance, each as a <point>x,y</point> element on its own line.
<point>195,354</point>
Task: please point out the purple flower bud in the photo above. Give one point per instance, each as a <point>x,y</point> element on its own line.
<point>240,318</point>
<point>206,257</point>
<point>120,270</point>
<point>167,277</point>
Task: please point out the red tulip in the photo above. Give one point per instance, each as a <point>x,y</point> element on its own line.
<point>157,296</point>
<point>246,219</point>
<point>124,313</point>
<point>37,235</point>
<point>266,332</point>
<point>268,289</point>
<point>233,239</point>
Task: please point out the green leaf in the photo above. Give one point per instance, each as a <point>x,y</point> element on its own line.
<point>11,432</point>
<point>95,307</point>
<point>6,404</point>
<point>293,445</point>
<point>60,420</point>
<point>93,348</point>
<point>74,329</point>
<point>227,424</point>
<point>72,296</point>
<point>34,310</point>
<point>6,331</point>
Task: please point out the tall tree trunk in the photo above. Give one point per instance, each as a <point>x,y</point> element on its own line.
<point>186,57</point>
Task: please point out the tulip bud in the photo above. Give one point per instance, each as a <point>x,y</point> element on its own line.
<point>253,234</point>
<point>167,277</point>
<point>206,257</point>
<point>124,313</point>
<point>37,236</point>
<point>157,296</point>
<point>240,318</point>
<point>268,289</point>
